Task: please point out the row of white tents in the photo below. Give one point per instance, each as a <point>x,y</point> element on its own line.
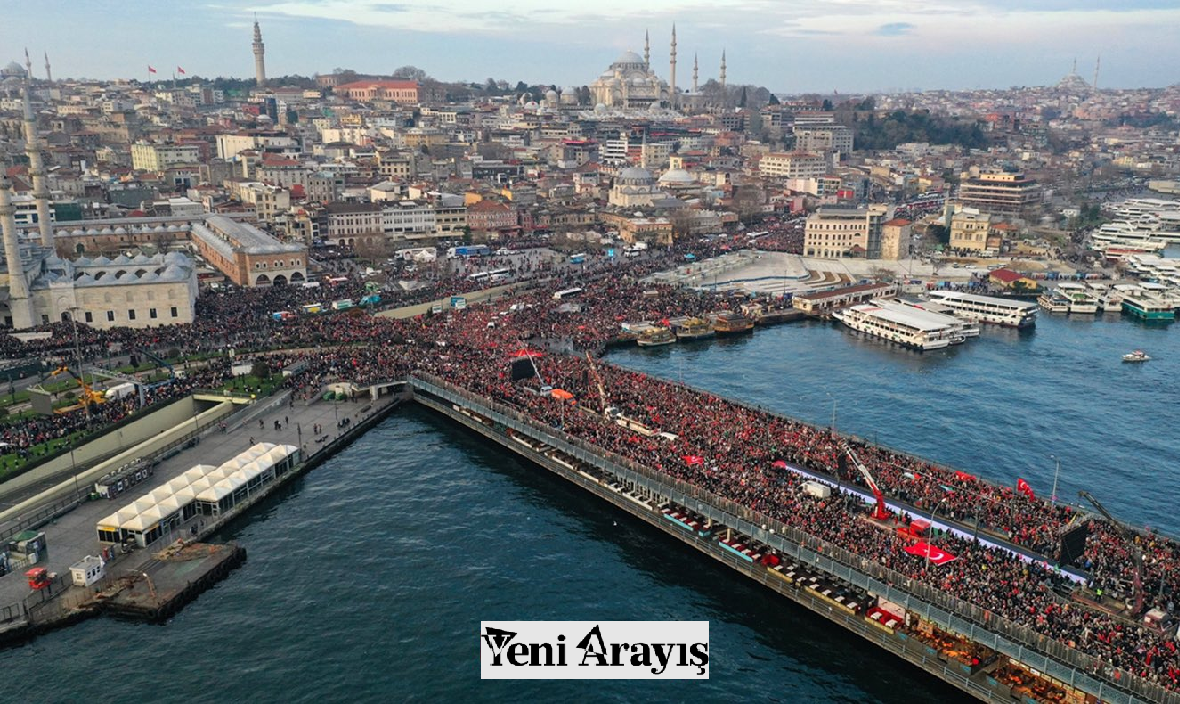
<point>204,489</point>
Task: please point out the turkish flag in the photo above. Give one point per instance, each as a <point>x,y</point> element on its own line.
<point>935,554</point>
<point>180,70</point>
<point>151,70</point>
<point>780,464</point>
<point>693,459</point>
<point>1023,487</point>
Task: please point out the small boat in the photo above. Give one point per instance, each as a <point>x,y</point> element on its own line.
<point>656,337</point>
<point>729,323</point>
<point>1136,356</point>
<point>694,329</point>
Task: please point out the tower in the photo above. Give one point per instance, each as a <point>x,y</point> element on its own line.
<point>1097,65</point>
<point>48,73</point>
<point>722,77</point>
<point>695,72</point>
<point>18,287</point>
<point>646,49</point>
<point>259,60</point>
<point>37,169</point>
<point>672,96</point>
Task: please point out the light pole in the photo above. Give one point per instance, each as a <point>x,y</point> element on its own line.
<point>1056,472</point>
<point>829,395</point>
<point>930,543</point>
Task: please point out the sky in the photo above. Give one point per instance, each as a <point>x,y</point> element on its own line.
<point>817,46</point>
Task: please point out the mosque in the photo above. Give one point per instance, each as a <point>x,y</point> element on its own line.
<point>631,84</point>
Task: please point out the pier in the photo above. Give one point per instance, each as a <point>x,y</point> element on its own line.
<point>154,582</point>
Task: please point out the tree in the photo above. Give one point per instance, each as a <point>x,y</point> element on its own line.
<point>742,98</point>
<point>260,371</point>
<point>412,73</point>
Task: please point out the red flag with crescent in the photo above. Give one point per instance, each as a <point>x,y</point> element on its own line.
<point>935,554</point>
<point>1023,487</point>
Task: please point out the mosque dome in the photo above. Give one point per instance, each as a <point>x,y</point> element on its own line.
<point>551,95</point>
<point>600,108</point>
<point>629,57</point>
<point>635,174</point>
<point>677,177</point>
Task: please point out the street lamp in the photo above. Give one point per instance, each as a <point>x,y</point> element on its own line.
<point>829,395</point>
<point>1056,471</point>
<point>930,543</point>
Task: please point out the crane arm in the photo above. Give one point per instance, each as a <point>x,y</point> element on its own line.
<point>880,513</point>
<point>598,382</point>
<point>1136,553</point>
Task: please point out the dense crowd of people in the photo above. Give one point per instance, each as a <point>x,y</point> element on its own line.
<point>734,449</point>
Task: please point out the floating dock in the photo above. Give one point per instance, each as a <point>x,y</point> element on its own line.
<point>170,581</point>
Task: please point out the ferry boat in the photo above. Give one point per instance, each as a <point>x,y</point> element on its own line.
<point>1136,356</point>
<point>656,337</point>
<point>988,309</point>
<point>968,329</point>
<point>730,323</point>
<point>1053,302</point>
<point>1148,307</point>
<point>694,329</point>
<point>1080,300</point>
<point>898,323</point>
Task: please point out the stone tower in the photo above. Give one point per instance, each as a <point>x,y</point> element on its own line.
<point>259,59</point>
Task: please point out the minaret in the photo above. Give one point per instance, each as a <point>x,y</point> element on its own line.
<point>18,287</point>
<point>1097,65</point>
<point>695,71</point>
<point>259,61</point>
<point>37,170</point>
<point>28,65</point>
<point>722,77</point>
<point>48,73</point>
<point>672,96</point>
<point>646,49</point>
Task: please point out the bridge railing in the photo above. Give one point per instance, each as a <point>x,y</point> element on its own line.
<point>1059,660</point>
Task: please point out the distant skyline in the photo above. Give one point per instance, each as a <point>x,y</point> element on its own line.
<point>850,46</point>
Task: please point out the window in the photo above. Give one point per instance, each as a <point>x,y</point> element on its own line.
<point>151,313</point>
<point>110,316</point>
<point>131,314</point>
<point>89,317</point>
<point>173,311</point>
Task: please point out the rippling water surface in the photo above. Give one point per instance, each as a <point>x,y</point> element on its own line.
<point>367,579</point>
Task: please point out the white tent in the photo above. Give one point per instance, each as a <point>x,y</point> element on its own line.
<point>220,473</point>
<point>200,485</point>
<point>143,522</point>
<point>111,522</point>
<point>141,504</point>
<point>160,493</point>
<point>181,482</point>
<point>217,492</point>
<point>170,506</point>
<point>198,471</point>
<point>185,495</point>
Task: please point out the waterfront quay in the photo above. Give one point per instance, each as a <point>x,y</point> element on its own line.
<point>153,582</point>
<point>966,646</point>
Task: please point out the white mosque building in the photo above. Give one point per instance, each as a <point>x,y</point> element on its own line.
<point>630,84</point>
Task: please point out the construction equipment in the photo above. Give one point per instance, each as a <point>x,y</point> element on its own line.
<point>1129,537</point>
<point>95,371</point>
<point>601,389</point>
<point>880,512</point>
<point>89,396</point>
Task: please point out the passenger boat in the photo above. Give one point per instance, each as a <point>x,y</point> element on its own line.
<point>730,323</point>
<point>1053,302</point>
<point>656,337</point>
<point>1147,307</point>
<point>1136,356</point>
<point>694,329</point>
<point>988,309</point>
<point>1080,300</point>
<point>909,327</point>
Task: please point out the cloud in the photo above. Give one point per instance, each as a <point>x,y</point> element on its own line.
<point>894,29</point>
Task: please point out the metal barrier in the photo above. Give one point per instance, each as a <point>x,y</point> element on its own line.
<point>1068,665</point>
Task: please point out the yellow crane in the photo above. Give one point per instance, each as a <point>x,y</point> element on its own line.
<point>88,396</point>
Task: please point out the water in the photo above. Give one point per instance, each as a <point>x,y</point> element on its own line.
<point>367,578</point>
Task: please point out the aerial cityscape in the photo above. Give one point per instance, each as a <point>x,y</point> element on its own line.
<point>308,371</point>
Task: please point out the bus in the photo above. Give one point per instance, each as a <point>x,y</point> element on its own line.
<point>342,304</point>
<point>313,308</point>
<point>567,293</point>
<point>471,250</point>
<point>492,275</point>
<point>578,258</point>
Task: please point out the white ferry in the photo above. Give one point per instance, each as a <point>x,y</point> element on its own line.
<point>967,328</point>
<point>1053,302</point>
<point>988,309</point>
<point>909,327</point>
<point>1110,299</point>
<point>1080,300</point>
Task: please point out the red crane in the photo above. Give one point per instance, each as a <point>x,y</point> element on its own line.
<point>880,512</point>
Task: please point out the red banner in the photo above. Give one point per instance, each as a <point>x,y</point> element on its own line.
<point>693,459</point>
<point>935,554</point>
